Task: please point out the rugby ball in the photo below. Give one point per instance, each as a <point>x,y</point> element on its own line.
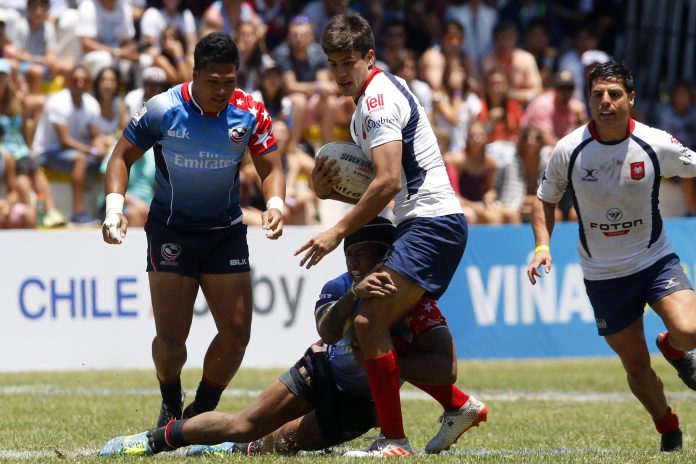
<point>355,170</point>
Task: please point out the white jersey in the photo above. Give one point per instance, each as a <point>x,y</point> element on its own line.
<point>615,190</point>
<point>387,111</point>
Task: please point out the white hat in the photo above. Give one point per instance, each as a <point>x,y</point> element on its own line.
<point>154,74</point>
<point>591,57</point>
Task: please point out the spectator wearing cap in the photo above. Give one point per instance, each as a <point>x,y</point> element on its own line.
<point>590,59</point>
<point>154,82</point>
<point>556,112</point>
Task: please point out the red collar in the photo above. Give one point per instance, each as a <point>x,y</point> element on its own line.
<point>188,97</point>
<point>375,70</point>
<point>595,135</point>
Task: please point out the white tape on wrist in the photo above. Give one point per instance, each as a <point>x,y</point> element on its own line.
<point>114,207</point>
<point>276,203</point>
<point>114,203</point>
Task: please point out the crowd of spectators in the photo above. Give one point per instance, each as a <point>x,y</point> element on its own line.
<point>501,80</point>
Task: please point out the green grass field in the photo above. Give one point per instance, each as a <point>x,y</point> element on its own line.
<point>571,411</point>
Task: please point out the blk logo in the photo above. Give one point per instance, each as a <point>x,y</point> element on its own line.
<point>179,134</point>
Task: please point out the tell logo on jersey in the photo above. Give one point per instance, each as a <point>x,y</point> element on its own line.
<point>374,103</point>
<point>637,170</point>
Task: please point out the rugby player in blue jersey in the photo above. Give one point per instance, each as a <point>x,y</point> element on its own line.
<point>324,399</point>
<point>393,131</point>
<point>199,131</point>
<point>612,168</point>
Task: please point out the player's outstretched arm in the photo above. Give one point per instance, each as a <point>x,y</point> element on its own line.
<point>115,225</point>
<point>270,171</point>
<point>543,221</point>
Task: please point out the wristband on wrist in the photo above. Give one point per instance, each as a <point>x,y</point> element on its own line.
<point>276,203</point>
<point>114,203</point>
<point>180,59</point>
<point>93,151</point>
<point>542,248</point>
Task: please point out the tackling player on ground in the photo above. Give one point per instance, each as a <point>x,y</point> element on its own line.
<point>195,235</point>
<point>324,399</point>
<point>612,168</point>
<point>393,131</point>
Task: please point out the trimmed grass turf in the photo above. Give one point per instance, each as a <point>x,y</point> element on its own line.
<point>84,409</point>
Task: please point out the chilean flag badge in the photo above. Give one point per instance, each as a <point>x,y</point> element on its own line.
<point>637,170</point>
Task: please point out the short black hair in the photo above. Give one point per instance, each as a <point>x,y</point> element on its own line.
<point>614,70</point>
<point>216,47</point>
<point>346,32</point>
<point>379,230</point>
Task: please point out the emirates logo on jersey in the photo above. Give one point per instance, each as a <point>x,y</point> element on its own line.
<point>637,170</point>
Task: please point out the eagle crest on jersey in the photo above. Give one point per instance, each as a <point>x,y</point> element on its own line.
<point>237,134</point>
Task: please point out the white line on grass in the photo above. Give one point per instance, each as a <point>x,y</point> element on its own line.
<point>489,395</point>
<point>18,455</point>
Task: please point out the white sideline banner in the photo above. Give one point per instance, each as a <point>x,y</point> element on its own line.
<point>69,301</point>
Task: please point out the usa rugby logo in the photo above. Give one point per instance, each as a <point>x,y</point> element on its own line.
<point>170,251</point>
<point>637,170</point>
<point>237,134</point>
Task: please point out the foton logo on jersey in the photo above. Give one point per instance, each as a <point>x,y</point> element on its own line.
<point>374,103</point>
<point>637,170</point>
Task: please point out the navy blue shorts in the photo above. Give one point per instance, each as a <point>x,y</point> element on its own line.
<point>427,251</point>
<point>618,303</point>
<point>195,252</point>
<point>341,416</point>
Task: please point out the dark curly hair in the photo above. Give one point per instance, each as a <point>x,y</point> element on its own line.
<point>216,47</point>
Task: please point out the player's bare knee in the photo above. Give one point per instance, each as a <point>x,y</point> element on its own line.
<point>639,370</point>
<point>169,344</point>
<point>235,337</point>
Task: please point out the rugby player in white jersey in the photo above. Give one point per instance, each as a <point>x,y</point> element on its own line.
<point>393,131</point>
<point>612,168</point>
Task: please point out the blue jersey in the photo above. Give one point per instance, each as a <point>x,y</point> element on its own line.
<point>198,155</point>
<point>349,374</point>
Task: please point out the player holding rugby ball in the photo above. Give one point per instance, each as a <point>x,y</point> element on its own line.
<point>393,131</point>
